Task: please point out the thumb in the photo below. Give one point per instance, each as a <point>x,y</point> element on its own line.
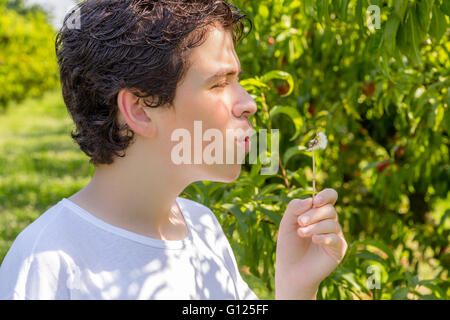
<point>295,208</point>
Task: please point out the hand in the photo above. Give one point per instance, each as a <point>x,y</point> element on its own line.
<point>308,251</point>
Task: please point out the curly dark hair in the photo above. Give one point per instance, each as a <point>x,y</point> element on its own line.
<point>139,45</point>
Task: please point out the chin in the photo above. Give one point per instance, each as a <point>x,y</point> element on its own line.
<point>224,173</point>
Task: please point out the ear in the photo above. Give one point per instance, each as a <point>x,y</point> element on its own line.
<point>134,113</point>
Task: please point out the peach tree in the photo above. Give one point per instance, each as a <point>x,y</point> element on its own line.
<point>381,94</point>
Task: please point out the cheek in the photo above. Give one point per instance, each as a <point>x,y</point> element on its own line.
<point>214,114</point>
<point>212,110</point>
<point>218,116</point>
<point>209,108</point>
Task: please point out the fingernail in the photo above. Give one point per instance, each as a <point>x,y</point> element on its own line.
<point>304,220</point>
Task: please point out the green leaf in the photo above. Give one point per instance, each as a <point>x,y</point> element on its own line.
<point>401,38</point>
<point>270,188</point>
<point>370,166</point>
<point>390,32</point>
<point>377,244</point>
<point>343,9</point>
<point>281,75</point>
<point>400,294</point>
<point>323,10</point>
<point>236,211</point>
<point>297,193</point>
<point>400,8</point>
<point>423,13</point>
<point>438,24</point>
<point>292,151</point>
<point>293,114</point>
<point>359,14</point>
<point>444,218</point>
<point>408,38</point>
<point>350,278</point>
<point>275,217</point>
<point>367,255</point>
<point>252,83</point>
<point>445,8</point>
<point>414,38</point>
<point>412,280</point>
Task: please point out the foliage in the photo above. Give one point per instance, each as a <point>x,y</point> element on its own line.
<point>27,60</point>
<point>381,96</point>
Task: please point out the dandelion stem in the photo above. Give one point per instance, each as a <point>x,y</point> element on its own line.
<point>314,176</point>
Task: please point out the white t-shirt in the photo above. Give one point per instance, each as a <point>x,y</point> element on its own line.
<point>68,253</point>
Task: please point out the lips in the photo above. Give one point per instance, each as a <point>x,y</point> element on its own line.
<point>246,137</point>
<point>247,144</point>
<point>245,140</point>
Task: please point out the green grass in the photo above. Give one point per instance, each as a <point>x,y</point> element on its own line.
<point>40,164</point>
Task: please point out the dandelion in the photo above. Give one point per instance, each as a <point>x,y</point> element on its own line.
<point>319,142</point>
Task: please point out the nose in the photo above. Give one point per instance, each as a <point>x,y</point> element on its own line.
<point>247,106</point>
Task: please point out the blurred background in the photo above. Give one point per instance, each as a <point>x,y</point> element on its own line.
<point>376,85</point>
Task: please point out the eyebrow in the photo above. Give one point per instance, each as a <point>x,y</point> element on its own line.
<point>224,73</point>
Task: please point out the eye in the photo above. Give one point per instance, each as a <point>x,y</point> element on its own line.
<point>221,85</point>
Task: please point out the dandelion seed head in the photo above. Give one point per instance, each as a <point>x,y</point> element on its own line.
<point>319,142</point>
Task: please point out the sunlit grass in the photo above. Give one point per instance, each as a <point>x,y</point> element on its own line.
<point>39,163</point>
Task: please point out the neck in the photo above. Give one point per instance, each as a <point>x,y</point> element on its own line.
<point>136,195</point>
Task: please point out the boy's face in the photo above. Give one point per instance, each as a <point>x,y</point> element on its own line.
<point>221,108</point>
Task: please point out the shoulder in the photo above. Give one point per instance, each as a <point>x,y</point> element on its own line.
<point>41,232</point>
<point>203,222</point>
<point>208,228</point>
<point>198,212</point>
<point>35,254</point>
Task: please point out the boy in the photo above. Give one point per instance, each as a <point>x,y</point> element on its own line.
<point>132,75</point>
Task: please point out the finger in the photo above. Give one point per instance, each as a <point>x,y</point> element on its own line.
<point>315,215</point>
<point>325,196</point>
<point>336,244</point>
<point>321,227</point>
<point>296,207</point>
<point>330,239</point>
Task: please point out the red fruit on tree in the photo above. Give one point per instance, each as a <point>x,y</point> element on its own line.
<point>271,41</point>
<point>369,89</point>
<point>400,152</point>
<point>283,88</point>
<point>312,109</point>
<point>381,166</point>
